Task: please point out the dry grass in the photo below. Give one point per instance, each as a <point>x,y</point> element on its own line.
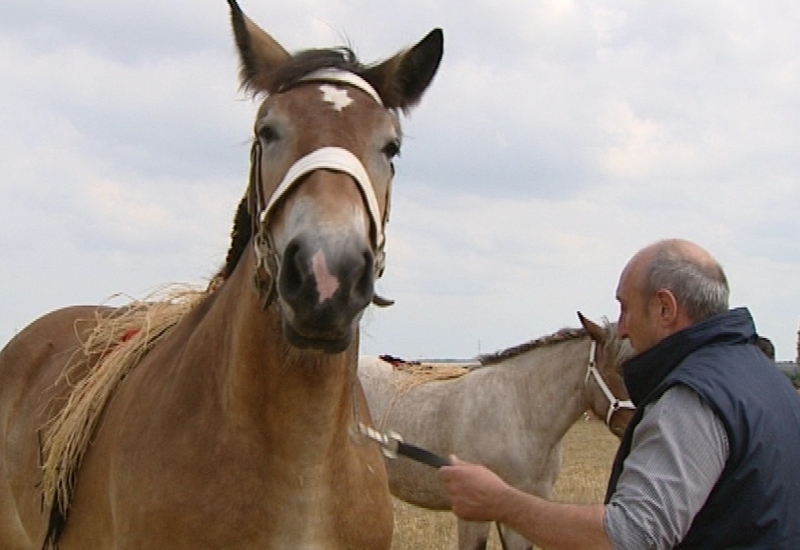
<point>117,342</point>
<point>588,452</point>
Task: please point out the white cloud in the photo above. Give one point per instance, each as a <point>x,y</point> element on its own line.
<point>558,138</point>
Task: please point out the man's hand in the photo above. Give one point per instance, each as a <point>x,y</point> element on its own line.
<point>476,493</point>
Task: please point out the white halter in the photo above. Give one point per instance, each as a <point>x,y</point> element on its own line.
<point>339,160</point>
<point>331,158</point>
<point>614,404</point>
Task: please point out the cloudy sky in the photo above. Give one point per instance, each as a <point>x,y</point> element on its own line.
<point>558,138</point>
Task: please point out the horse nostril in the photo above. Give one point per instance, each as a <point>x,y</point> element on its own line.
<point>364,285</point>
<point>339,277</point>
<point>292,269</point>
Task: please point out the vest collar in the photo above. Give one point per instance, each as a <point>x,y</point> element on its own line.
<point>645,371</point>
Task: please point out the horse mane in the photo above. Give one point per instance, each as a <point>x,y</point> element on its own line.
<point>558,336</point>
<point>618,347</point>
<point>118,342</point>
<point>240,236</point>
<point>289,73</point>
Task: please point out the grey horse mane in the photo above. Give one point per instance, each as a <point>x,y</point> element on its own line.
<point>561,335</point>
<point>615,345</point>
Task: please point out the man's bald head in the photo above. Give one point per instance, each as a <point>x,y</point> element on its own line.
<point>688,271</point>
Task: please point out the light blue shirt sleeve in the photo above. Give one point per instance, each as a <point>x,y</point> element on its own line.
<point>678,452</point>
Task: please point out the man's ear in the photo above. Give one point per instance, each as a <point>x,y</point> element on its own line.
<point>667,307</point>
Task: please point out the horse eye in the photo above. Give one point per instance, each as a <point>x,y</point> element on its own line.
<point>391,149</point>
<point>267,134</point>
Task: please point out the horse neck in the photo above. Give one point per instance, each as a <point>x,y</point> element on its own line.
<point>553,377</point>
<point>262,379</point>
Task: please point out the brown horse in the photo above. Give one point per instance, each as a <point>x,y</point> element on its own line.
<point>231,425</point>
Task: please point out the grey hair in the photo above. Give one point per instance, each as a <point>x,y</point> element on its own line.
<point>700,287</point>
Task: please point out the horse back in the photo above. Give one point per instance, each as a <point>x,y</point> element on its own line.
<point>32,390</point>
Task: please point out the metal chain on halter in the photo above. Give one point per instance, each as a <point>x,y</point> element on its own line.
<point>266,256</point>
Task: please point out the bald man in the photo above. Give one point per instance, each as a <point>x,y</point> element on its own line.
<point>711,459</point>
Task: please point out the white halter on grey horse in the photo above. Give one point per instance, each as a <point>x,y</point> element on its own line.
<point>509,413</point>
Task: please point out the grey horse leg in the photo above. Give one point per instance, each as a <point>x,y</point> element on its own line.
<point>511,540</point>
<point>473,535</point>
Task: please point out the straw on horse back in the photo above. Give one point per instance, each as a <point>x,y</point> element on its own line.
<point>120,339</point>
<point>415,374</point>
<point>421,373</point>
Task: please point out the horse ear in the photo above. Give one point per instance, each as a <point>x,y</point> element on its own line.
<point>594,330</point>
<point>259,53</point>
<point>402,79</point>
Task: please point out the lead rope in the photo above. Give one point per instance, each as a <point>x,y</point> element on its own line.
<point>356,431</point>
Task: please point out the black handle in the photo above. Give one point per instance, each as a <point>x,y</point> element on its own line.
<point>422,455</point>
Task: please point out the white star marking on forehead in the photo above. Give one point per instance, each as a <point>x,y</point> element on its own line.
<point>337,97</point>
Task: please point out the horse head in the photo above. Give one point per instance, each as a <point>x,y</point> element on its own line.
<point>321,170</point>
<point>608,396</point>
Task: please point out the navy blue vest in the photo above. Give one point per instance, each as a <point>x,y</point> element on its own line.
<point>756,501</point>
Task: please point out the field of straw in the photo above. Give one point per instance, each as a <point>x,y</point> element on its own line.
<point>588,452</point>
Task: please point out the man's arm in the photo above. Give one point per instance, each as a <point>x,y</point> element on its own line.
<point>478,494</point>
<point>680,449</point>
